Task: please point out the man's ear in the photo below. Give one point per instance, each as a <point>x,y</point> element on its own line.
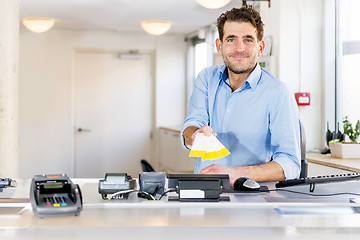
<point>218,46</point>
<point>261,47</point>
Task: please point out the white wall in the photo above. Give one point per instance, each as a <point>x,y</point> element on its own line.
<point>46,131</point>
<point>296,27</point>
<point>46,68</point>
<point>170,81</point>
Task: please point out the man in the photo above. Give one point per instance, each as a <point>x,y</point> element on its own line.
<point>248,109</point>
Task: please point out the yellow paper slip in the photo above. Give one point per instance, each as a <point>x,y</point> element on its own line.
<point>207,147</point>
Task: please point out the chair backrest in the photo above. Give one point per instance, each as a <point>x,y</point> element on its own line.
<point>304,164</point>
<point>146,167</point>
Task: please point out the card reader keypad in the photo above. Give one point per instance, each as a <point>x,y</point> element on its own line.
<point>55,201</point>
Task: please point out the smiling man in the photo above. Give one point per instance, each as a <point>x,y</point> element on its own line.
<point>250,111</point>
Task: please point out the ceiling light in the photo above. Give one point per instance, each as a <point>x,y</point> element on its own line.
<point>213,4</point>
<point>38,25</point>
<point>156,27</point>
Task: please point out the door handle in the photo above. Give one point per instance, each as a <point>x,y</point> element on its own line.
<point>83,130</point>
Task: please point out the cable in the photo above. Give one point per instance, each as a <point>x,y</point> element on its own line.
<point>146,195</point>
<point>130,191</point>
<point>157,189</point>
<point>151,197</point>
<point>311,194</point>
<point>171,190</point>
<point>110,196</point>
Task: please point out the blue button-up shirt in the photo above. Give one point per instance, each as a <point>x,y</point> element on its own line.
<point>256,123</point>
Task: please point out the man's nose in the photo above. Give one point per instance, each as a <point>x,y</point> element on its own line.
<point>240,47</point>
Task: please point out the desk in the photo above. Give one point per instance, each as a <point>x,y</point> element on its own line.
<point>274,215</point>
<point>351,165</point>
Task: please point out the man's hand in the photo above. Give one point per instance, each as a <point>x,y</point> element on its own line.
<point>190,133</point>
<point>267,172</point>
<point>219,169</point>
<point>206,130</point>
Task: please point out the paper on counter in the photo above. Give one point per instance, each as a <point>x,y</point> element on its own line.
<point>208,147</point>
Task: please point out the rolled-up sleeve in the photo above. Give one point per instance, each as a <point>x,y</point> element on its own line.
<point>285,133</point>
<point>197,114</point>
<point>289,165</point>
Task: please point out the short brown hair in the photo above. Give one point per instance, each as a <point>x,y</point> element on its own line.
<point>244,14</point>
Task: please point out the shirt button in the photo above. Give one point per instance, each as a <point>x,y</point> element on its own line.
<point>224,130</point>
<point>228,110</point>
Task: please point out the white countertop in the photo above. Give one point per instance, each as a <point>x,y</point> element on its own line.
<point>275,215</point>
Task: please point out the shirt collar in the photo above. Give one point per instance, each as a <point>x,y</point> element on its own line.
<point>252,80</point>
<point>254,77</point>
<point>223,73</point>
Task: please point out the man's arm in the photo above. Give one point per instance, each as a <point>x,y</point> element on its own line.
<point>285,132</point>
<point>197,114</point>
<point>267,172</point>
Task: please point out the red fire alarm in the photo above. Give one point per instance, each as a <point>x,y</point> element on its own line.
<point>302,98</point>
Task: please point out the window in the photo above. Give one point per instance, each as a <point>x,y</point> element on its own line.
<point>348,61</point>
<point>200,54</point>
<point>200,57</point>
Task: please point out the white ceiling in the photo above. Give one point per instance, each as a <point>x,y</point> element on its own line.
<point>123,15</point>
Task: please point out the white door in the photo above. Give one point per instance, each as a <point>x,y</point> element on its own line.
<point>113,113</point>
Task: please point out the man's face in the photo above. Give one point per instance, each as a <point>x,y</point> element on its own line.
<point>240,47</point>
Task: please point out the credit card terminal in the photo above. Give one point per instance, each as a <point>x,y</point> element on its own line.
<point>7,182</point>
<point>119,184</point>
<point>55,195</point>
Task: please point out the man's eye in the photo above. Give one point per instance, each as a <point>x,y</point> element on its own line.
<point>230,40</point>
<point>248,40</point>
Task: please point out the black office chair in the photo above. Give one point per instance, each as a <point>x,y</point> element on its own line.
<point>146,167</point>
<point>304,163</point>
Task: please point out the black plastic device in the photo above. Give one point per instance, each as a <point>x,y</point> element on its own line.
<point>246,184</point>
<point>151,183</point>
<point>331,136</point>
<point>7,182</point>
<point>116,183</point>
<point>199,187</point>
<point>54,196</point>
